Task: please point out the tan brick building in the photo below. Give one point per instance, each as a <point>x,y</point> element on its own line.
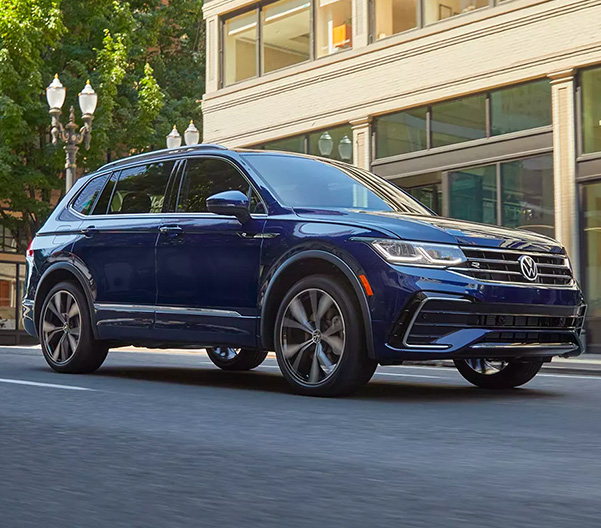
<point>484,110</point>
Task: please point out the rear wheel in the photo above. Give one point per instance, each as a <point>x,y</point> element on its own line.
<point>228,358</point>
<point>493,374</point>
<point>319,338</point>
<point>65,331</point>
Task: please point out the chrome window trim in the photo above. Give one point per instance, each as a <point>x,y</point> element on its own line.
<point>154,215</point>
<point>183,310</point>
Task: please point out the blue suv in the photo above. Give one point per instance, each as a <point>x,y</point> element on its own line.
<point>334,268</point>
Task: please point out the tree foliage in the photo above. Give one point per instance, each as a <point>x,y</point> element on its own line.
<point>145,58</point>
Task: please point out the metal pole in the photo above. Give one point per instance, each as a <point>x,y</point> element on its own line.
<point>70,164</point>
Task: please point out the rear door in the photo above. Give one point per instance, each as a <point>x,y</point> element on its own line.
<point>117,246</point>
<point>208,264</point>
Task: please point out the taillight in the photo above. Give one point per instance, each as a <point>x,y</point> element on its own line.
<point>29,251</point>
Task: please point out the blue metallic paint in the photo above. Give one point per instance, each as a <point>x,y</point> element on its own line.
<point>216,262</point>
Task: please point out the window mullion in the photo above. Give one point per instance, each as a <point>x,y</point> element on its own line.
<point>259,57</point>
<point>499,196</point>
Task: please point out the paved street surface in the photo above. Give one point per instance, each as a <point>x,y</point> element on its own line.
<point>169,440</point>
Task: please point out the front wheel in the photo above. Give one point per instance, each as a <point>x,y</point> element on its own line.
<point>319,339</point>
<point>491,374</point>
<point>227,358</point>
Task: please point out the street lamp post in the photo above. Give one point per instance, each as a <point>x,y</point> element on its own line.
<point>71,134</point>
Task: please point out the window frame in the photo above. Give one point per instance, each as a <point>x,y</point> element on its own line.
<point>109,174</point>
<point>579,102</point>
<point>180,181</point>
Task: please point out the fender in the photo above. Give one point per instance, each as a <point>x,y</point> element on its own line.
<point>348,273</point>
<point>81,279</point>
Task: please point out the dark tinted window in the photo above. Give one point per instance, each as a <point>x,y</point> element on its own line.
<point>204,177</point>
<point>85,201</point>
<point>305,182</point>
<point>103,202</point>
<point>141,189</point>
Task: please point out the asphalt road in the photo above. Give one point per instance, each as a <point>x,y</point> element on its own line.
<point>169,440</point>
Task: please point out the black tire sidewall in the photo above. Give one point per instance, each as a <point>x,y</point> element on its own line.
<point>353,367</point>
<point>515,374</point>
<point>246,359</point>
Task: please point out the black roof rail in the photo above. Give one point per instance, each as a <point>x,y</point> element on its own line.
<point>162,152</point>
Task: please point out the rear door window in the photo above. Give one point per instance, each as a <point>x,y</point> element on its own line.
<point>86,199</point>
<point>141,189</point>
<point>204,177</point>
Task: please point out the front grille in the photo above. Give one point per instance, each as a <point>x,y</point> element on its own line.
<point>498,265</point>
<point>436,318</point>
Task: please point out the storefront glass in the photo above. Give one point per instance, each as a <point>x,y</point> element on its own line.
<point>592,264</point>
<point>591,110</point>
<point>473,194</point>
<point>394,16</point>
<point>9,296</point>
<point>286,34</point>
<point>521,107</point>
<point>333,26</point>
<point>427,188</point>
<point>459,120</point>
<point>402,132</point>
<point>435,11</point>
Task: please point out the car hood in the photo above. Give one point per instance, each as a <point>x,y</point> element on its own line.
<point>436,229</point>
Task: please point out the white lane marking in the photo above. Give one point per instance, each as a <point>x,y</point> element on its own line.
<point>592,376</point>
<point>406,375</point>
<point>48,385</point>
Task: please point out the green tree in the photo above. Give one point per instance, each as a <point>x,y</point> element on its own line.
<point>145,58</point>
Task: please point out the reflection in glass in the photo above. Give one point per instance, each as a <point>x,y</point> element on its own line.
<point>521,107</point>
<point>394,16</point>
<point>286,34</point>
<point>333,26</point>
<point>459,120</point>
<point>473,194</point>
<point>8,296</point>
<point>402,132</point>
<point>527,194</point>
<point>592,271</point>
<point>291,144</point>
<point>240,47</point>
<point>435,10</point>
<point>427,188</point>
<point>591,110</point>
<point>338,135</point>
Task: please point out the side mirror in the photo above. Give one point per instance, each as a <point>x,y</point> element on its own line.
<point>230,203</point>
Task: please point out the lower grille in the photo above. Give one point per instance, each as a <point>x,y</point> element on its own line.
<point>436,318</point>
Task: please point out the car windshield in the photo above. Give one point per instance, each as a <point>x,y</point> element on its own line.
<point>311,183</point>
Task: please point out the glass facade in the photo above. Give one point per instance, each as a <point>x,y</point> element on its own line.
<point>521,107</point>
<point>240,47</point>
<point>592,263</point>
<point>590,82</point>
<point>335,143</point>
<point>513,194</point>
<point>333,26</point>
<point>12,284</point>
<point>435,11</point>
<point>7,243</point>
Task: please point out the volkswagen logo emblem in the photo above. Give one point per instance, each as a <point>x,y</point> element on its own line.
<point>528,267</point>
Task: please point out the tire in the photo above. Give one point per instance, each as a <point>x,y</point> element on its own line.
<point>65,330</point>
<point>227,358</point>
<point>319,339</point>
<point>512,374</point>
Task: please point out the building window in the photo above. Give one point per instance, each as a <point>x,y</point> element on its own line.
<point>7,243</point>
<point>283,33</point>
<point>521,107</point>
<point>240,48</point>
<point>435,10</point>
<point>334,143</point>
<point>513,194</point>
<point>458,120</point>
<point>333,26</point>
<point>286,34</point>
<point>394,16</point>
<point>590,81</point>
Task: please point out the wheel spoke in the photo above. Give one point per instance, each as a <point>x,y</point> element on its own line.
<point>336,344</point>
<point>314,374</point>
<point>72,311</point>
<point>75,331</point>
<point>55,311</point>
<point>298,312</point>
<point>334,328</point>
<point>289,351</point>
<point>299,358</point>
<point>289,323</point>
<point>324,305</point>
<point>313,300</point>
<point>323,359</point>
<point>72,344</point>
<point>50,330</point>
<point>57,351</point>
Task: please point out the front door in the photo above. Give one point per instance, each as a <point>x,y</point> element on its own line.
<point>592,263</point>
<point>117,246</point>
<point>207,264</point>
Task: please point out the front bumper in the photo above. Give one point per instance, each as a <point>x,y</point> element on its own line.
<point>445,315</point>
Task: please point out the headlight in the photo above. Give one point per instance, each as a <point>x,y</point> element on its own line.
<point>419,253</point>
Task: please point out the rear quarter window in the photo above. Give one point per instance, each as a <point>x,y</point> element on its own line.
<point>86,199</point>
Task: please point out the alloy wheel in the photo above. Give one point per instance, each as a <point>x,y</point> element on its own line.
<point>312,336</point>
<point>227,353</point>
<point>486,367</point>
<point>61,326</point>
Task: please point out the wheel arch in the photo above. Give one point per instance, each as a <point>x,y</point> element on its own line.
<point>62,271</point>
<point>295,268</point>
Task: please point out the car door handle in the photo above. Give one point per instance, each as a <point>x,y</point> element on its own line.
<point>171,230</point>
<point>89,231</point>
